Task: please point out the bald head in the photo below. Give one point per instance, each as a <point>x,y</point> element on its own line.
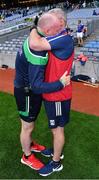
<point>49,24</point>
<point>60,14</point>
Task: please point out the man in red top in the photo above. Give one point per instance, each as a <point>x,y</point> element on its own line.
<point>57,104</point>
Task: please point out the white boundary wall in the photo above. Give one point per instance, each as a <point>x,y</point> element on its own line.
<point>7,59</point>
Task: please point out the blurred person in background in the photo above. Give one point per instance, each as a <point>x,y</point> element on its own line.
<point>80,33</point>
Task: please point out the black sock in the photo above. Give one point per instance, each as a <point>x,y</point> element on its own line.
<point>27,156</point>
<point>56,162</point>
<point>32,143</point>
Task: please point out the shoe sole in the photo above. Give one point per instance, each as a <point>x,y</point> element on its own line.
<point>54,170</point>
<point>28,165</point>
<point>46,155</point>
<point>32,150</point>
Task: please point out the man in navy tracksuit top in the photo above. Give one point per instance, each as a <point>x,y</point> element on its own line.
<point>57,104</point>
<point>30,68</point>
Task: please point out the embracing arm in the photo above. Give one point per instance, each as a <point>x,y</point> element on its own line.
<point>38,85</point>
<point>38,43</point>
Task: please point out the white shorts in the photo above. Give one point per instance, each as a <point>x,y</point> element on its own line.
<point>79,34</point>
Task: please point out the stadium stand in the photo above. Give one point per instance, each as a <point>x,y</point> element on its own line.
<point>10,44</point>
<point>91,50</point>
<point>18,18</point>
<point>8,50</point>
<point>91,42</point>
<point>13,45</point>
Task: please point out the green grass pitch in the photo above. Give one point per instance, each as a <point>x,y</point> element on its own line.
<point>81,149</point>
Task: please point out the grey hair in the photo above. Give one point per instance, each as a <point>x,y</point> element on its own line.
<point>59,13</point>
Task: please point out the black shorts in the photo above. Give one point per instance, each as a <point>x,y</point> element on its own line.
<point>28,104</point>
<point>58,113</point>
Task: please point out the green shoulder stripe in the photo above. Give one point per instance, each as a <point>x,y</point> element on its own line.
<point>32,58</point>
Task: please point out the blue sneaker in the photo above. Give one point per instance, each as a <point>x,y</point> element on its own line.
<point>49,153</point>
<point>50,168</point>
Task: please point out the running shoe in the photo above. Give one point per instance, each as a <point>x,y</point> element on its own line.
<point>32,162</point>
<point>50,168</point>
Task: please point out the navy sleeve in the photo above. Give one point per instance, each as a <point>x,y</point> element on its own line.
<point>60,42</point>
<point>36,79</point>
<point>62,47</point>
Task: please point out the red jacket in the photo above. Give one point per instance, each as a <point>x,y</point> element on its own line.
<point>54,70</point>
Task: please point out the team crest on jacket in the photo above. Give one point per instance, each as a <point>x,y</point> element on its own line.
<point>52,122</point>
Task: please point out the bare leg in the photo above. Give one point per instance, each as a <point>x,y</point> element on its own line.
<point>81,41</point>
<point>58,142</point>
<point>25,136</point>
<point>78,41</point>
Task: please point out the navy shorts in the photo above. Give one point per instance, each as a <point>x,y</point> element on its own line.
<point>57,112</point>
<point>28,104</point>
